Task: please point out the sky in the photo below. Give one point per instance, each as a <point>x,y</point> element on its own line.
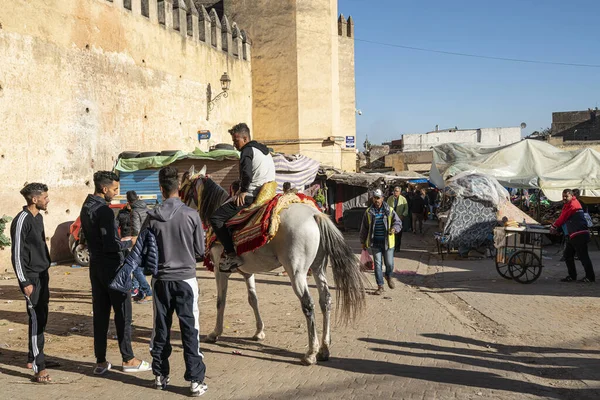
<point>401,91</point>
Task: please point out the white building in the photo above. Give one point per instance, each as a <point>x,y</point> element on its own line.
<point>491,137</point>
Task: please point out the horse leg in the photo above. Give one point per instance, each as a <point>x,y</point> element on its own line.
<point>253,301</point>
<point>319,269</point>
<point>300,286</point>
<point>222,280</point>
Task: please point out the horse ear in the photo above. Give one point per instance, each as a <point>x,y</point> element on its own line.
<point>202,171</point>
<point>192,171</point>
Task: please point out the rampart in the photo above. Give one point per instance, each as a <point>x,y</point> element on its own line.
<point>83,80</point>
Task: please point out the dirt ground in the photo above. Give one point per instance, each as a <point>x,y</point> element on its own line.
<point>451,329</point>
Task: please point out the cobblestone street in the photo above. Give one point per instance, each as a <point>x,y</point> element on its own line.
<point>450,330</point>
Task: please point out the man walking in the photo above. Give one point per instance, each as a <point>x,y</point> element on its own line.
<point>31,260</point>
<point>418,209</point>
<point>106,256</point>
<point>398,203</point>
<point>139,210</point>
<point>379,226</point>
<point>256,169</point>
<point>579,235</point>
<point>180,240</point>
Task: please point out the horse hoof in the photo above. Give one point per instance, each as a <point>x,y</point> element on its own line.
<point>259,337</point>
<point>211,338</point>
<point>308,360</point>
<point>323,356</point>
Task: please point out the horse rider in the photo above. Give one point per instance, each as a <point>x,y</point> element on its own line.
<point>256,169</point>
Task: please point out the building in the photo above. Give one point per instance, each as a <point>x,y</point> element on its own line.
<point>83,81</point>
<point>302,77</point>
<point>491,137</point>
<point>573,128</point>
<point>416,154</point>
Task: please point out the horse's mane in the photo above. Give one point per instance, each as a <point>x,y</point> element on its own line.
<point>212,197</point>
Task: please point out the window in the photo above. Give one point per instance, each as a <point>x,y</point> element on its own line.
<point>146,8</point>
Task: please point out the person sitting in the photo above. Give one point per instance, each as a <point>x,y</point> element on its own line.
<point>256,169</point>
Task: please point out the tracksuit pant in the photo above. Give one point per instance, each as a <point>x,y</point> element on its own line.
<point>37,309</point>
<point>180,297</point>
<point>103,299</point>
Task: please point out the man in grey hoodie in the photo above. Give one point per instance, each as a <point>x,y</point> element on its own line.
<point>180,240</point>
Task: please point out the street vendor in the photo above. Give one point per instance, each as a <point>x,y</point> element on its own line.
<point>573,217</point>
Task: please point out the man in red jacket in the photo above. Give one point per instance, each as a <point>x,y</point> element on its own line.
<point>579,235</point>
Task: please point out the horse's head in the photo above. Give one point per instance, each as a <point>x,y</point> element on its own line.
<point>201,193</point>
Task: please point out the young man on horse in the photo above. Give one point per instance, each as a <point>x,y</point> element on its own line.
<point>256,169</point>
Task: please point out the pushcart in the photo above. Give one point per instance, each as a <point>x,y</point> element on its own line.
<point>519,254</point>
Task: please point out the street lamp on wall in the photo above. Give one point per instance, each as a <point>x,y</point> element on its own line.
<point>210,102</point>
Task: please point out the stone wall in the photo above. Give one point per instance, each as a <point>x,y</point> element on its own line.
<point>303,76</point>
<point>483,137</point>
<point>83,80</point>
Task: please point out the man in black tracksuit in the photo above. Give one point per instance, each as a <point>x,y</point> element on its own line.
<point>106,256</point>
<point>31,260</point>
<point>180,240</point>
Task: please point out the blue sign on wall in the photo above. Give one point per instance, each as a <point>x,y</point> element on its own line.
<point>203,135</point>
<point>350,142</point>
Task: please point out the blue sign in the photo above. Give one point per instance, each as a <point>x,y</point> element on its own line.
<point>349,142</point>
<point>203,135</point>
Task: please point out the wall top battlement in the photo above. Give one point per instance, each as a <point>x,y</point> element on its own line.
<point>345,26</point>
<point>199,25</point>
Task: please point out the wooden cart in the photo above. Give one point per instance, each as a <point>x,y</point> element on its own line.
<point>520,255</point>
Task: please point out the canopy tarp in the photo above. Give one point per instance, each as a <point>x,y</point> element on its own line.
<point>135,164</point>
<point>371,180</point>
<point>528,164</point>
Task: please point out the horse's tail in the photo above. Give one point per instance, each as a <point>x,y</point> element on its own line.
<point>348,278</point>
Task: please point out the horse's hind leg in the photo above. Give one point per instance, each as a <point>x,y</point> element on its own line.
<point>253,301</point>
<point>222,280</point>
<point>319,269</point>
<point>300,286</point>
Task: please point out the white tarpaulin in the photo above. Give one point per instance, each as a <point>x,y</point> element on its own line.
<point>526,164</point>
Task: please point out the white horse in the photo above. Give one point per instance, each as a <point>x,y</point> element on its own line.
<point>306,239</point>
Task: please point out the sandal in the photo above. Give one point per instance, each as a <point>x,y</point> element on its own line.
<point>99,370</point>
<point>42,378</point>
<point>143,366</point>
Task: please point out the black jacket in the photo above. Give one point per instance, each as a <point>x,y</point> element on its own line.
<point>143,255</point>
<point>102,236</point>
<point>30,255</point>
<point>124,219</point>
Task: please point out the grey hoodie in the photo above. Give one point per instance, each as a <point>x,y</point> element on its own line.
<point>139,209</point>
<point>180,239</point>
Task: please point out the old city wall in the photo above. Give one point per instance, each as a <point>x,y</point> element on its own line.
<point>271,26</point>
<point>83,80</point>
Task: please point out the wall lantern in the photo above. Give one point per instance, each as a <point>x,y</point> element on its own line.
<point>210,102</point>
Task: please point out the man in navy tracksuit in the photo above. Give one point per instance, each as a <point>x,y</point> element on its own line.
<point>180,240</point>
<point>31,260</point>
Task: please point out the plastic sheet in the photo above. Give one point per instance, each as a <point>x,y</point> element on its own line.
<point>478,187</point>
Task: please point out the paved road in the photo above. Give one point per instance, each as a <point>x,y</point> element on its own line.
<point>450,330</point>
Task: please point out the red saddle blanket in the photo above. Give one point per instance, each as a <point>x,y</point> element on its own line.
<point>255,227</point>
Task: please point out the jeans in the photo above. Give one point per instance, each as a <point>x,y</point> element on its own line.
<point>578,245</point>
<point>221,216</point>
<point>417,219</point>
<point>380,252</point>
<point>140,282</point>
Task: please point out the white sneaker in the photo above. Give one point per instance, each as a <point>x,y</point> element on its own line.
<point>161,382</point>
<point>198,388</point>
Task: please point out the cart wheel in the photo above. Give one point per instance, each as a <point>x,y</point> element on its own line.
<point>503,270</point>
<point>524,266</point>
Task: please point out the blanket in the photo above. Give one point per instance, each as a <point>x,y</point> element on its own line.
<point>253,227</point>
